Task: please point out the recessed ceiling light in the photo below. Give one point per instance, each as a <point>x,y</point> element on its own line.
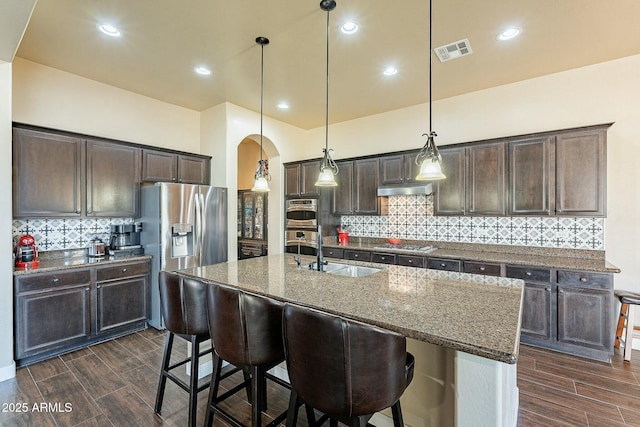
<point>109,30</point>
<point>390,71</point>
<point>283,105</point>
<point>509,33</point>
<point>349,27</point>
<point>202,70</point>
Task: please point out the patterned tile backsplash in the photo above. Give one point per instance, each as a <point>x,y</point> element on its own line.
<point>411,217</point>
<point>58,233</point>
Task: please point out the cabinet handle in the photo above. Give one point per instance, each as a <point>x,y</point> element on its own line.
<point>442,264</point>
<point>124,270</point>
<point>382,258</point>
<point>55,280</point>
<point>98,286</point>
<point>482,268</point>
<point>547,289</point>
<point>410,261</point>
<point>355,255</point>
<point>87,289</point>
<point>583,279</point>
<point>528,273</point>
<point>560,291</point>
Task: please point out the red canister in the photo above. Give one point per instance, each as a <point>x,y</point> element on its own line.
<point>343,238</point>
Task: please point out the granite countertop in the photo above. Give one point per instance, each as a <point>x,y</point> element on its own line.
<point>572,259</point>
<point>57,262</point>
<point>466,312</point>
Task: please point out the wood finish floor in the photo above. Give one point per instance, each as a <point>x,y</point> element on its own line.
<point>114,384</point>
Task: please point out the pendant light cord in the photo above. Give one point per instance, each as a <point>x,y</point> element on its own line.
<point>261,95</point>
<point>430,63</point>
<point>326,108</point>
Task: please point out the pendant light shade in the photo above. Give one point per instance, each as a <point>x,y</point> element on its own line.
<point>262,176</point>
<point>429,158</point>
<point>328,168</point>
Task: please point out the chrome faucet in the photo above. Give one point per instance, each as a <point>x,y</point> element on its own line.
<point>320,262</point>
<point>300,236</point>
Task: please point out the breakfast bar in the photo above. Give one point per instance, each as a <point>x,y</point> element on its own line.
<point>463,329</point>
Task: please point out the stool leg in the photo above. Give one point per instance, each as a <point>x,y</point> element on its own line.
<point>292,413</point>
<point>623,316</point>
<point>396,412</point>
<point>628,340</point>
<point>257,400</point>
<point>166,358</point>
<point>193,381</point>
<point>213,390</point>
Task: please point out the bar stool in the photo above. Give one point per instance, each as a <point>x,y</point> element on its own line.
<point>184,312</point>
<point>628,301</point>
<point>246,330</point>
<point>346,369</point>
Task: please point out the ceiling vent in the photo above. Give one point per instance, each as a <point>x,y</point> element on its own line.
<point>453,50</point>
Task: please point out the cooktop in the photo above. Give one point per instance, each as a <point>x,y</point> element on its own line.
<point>406,247</point>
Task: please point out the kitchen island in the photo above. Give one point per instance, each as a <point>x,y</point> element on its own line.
<point>464,329</point>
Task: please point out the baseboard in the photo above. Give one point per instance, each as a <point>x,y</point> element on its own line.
<point>8,372</point>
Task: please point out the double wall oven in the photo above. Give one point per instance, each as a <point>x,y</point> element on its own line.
<point>301,226</point>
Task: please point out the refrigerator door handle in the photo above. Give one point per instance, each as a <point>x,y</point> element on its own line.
<point>203,226</point>
<point>198,229</point>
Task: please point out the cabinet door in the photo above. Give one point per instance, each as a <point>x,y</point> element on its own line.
<point>342,194</point>
<point>536,310</point>
<point>581,173</point>
<point>309,172</point>
<point>392,169</point>
<point>292,180</point>
<point>193,170</point>
<point>531,186</point>
<point>585,317</point>
<point>53,319</point>
<point>486,179</point>
<point>444,264</point>
<point>113,180</point>
<point>159,166</point>
<point>122,303</point>
<point>450,192</point>
<point>365,191</point>
<point>411,169</point>
<point>47,174</point>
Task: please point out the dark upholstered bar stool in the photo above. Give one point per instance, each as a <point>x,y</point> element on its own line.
<point>183,307</point>
<point>348,370</point>
<point>628,301</point>
<point>246,330</point>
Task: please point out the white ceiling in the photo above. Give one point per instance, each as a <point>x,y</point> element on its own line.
<point>163,40</point>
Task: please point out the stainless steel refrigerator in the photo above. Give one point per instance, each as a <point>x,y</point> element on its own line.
<point>183,226</point>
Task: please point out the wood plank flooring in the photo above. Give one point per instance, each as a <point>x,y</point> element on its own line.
<point>113,384</point>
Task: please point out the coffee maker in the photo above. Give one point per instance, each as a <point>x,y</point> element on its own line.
<point>26,253</point>
<point>125,240</point>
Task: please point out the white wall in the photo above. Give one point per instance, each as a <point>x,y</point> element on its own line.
<point>7,366</point>
<point>48,97</point>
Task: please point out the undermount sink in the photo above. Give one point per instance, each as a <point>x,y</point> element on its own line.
<point>349,270</point>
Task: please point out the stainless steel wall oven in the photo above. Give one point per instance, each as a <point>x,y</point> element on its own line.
<point>301,226</point>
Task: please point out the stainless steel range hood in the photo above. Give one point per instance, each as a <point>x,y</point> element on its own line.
<point>405,189</point>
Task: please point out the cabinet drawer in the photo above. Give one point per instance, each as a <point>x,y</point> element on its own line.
<point>410,261</point>
<point>444,264</point>
<point>46,281</point>
<point>583,278</point>
<point>482,268</point>
<point>357,255</point>
<point>383,258</point>
<point>333,252</point>
<point>121,271</point>
<point>529,273</point>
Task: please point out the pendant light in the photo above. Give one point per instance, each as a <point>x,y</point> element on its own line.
<point>328,168</point>
<point>429,158</point>
<point>262,176</point>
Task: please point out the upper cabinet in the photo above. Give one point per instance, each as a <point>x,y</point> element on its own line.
<point>300,179</point>
<point>48,174</point>
<point>449,197</point>
<point>165,166</point>
<point>531,175</point>
<point>581,161</point>
<point>486,179</point>
<point>113,180</point>
<point>399,168</point>
<point>357,190</point>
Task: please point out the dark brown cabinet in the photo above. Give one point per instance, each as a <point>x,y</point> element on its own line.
<point>59,311</point>
<point>48,174</point>
<point>166,166</point>
<point>531,176</point>
<point>398,169</point>
<point>483,268</point>
<point>581,173</point>
<point>486,179</point>
<point>300,179</point>
<point>444,264</point>
<point>113,183</point>
<point>538,312</point>
<point>450,195</point>
<point>357,255</point>
<point>357,190</point>
<point>333,252</point>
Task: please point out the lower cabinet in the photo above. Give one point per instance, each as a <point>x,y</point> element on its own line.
<point>59,311</point>
<point>567,310</point>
